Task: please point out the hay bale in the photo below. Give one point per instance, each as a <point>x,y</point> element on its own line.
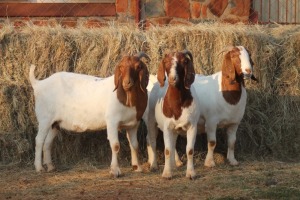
<point>270,121</point>
<point>287,90</point>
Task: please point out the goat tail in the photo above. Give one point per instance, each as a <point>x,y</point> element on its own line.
<point>32,78</point>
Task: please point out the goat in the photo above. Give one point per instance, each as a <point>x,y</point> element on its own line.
<point>222,98</point>
<point>174,108</point>
<point>79,103</point>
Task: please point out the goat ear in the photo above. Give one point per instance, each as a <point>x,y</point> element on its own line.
<point>161,77</point>
<point>144,78</point>
<point>117,76</point>
<point>189,70</point>
<point>189,76</point>
<point>228,69</point>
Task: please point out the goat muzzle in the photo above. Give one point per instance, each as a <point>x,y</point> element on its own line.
<point>172,80</point>
<point>127,84</point>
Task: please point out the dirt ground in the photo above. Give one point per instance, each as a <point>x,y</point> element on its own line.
<point>249,180</point>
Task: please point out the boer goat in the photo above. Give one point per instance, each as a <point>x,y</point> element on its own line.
<point>174,108</point>
<point>79,103</point>
<point>222,97</point>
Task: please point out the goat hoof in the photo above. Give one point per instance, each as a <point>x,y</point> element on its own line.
<point>167,175</point>
<point>40,169</point>
<point>50,168</point>
<point>209,163</point>
<point>116,173</point>
<point>179,163</point>
<point>137,168</point>
<point>153,168</point>
<point>233,162</point>
<point>191,175</point>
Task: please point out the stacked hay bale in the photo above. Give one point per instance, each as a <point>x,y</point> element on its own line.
<point>285,116</point>
<point>269,127</point>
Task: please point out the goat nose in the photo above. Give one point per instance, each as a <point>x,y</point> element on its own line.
<point>127,82</point>
<point>249,71</point>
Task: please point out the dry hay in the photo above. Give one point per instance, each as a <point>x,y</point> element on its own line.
<point>270,123</point>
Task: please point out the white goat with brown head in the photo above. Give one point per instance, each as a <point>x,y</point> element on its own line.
<point>79,103</point>
<point>222,97</point>
<point>174,108</point>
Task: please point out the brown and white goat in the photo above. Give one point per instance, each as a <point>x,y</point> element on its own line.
<point>174,108</point>
<point>222,97</point>
<point>79,103</point>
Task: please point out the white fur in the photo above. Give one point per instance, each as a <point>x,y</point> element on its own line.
<point>247,69</point>
<point>152,81</point>
<point>80,103</point>
<point>173,73</point>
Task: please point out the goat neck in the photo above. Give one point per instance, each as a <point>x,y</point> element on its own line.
<point>177,97</point>
<point>134,97</point>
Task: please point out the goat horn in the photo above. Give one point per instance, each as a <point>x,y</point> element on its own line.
<point>188,53</point>
<point>142,54</point>
<point>226,49</point>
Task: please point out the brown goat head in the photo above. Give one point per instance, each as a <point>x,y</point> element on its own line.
<point>232,64</point>
<point>130,71</point>
<point>237,63</point>
<point>179,68</point>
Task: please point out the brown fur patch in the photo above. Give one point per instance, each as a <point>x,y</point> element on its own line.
<point>178,96</point>
<point>191,152</point>
<point>232,77</point>
<point>212,143</point>
<point>134,167</point>
<point>116,147</point>
<point>167,152</point>
<point>132,70</point>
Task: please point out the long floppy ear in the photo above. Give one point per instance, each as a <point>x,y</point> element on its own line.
<point>144,78</point>
<point>117,76</point>
<point>161,77</point>
<point>228,69</point>
<point>189,76</point>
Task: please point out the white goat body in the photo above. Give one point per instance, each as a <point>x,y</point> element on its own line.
<point>213,104</point>
<point>79,103</point>
<point>216,112</point>
<point>91,98</point>
<point>222,97</point>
